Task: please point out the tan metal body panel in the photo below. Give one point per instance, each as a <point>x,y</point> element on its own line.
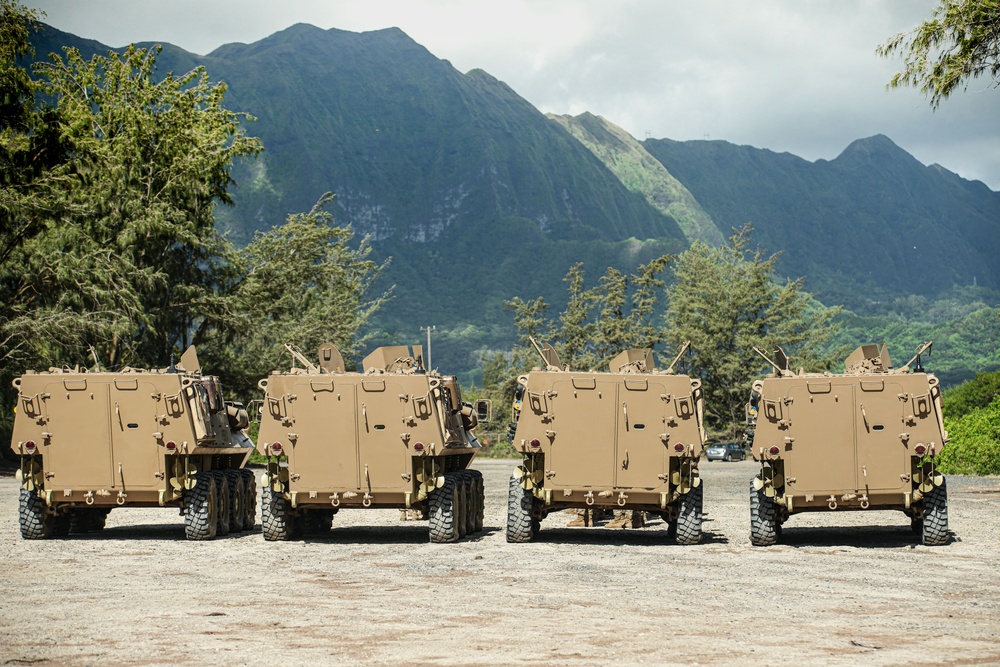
<point>362,440</point>
<point>102,438</point>
<point>851,437</point>
<point>608,439</point>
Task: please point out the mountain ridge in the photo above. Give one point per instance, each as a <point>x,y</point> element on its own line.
<point>872,220</point>
<point>478,196</point>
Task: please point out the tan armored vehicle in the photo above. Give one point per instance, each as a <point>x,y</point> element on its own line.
<point>394,436</point>
<point>865,439</point>
<point>91,442</point>
<point>628,439</point>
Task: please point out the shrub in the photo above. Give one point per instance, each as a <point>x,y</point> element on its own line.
<point>974,445</point>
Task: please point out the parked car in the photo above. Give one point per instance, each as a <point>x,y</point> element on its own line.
<point>726,451</point>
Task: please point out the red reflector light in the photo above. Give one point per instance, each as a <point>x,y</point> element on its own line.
<point>276,448</point>
<point>774,451</point>
<point>419,447</point>
<point>679,447</point>
<point>171,445</point>
<point>920,450</point>
<point>30,445</point>
<point>536,443</point>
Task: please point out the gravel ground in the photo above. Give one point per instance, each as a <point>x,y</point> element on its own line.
<point>842,589</point>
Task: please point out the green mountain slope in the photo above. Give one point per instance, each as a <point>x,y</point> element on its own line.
<point>869,225</point>
<point>474,193</point>
<point>642,173</point>
<point>478,197</point>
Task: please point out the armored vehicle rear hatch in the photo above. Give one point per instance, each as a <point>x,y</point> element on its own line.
<point>393,436</point>
<point>629,439</point>
<point>864,439</point>
<point>93,441</point>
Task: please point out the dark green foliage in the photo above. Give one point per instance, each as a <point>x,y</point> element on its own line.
<point>974,442</point>
<point>726,301</point>
<point>616,314</point>
<point>136,267</point>
<point>975,394</point>
<point>598,323</point>
<point>966,338</point>
<point>302,283</point>
<point>33,171</point>
<point>960,42</point>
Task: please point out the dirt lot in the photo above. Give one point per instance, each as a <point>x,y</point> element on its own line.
<point>848,588</point>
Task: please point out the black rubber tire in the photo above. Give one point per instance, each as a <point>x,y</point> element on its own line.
<point>222,494</point>
<point>917,526</point>
<point>201,508</point>
<point>480,493</point>
<point>935,529</point>
<point>519,505</point>
<point>672,529</point>
<point>237,496</point>
<point>99,519</point>
<point>689,517</point>
<point>79,520</point>
<point>536,527</point>
<point>88,519</point>
<point>36,523</point>
<point>763,519</point>
<point>318,521</point>
<point>461,504</point>
<point>728,459</point>
<point>277,522</point>
<point>471,502</point>
<point>250,500</point>
<point>60,524</point>
<point>441,505</point>
<point>297,524</point>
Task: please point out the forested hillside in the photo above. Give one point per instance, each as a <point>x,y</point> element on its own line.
<point>474,194</point>
<point>475,197</point>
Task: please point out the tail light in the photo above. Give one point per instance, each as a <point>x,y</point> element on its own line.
<point>535,443</point>
<point>418,447</point>
<point>171,445</point>
<point>920,450</point>
<point>774,451</point>
<point>276,447</point>
<point>30,446</point>
<point>679,447</point>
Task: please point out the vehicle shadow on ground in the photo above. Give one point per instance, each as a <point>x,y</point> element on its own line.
<point>163,532</point>
<point>861,537</point>
<point>598,535</point>
<point>416,532</point>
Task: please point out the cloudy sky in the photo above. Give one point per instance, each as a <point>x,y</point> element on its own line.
<point>788,75</point>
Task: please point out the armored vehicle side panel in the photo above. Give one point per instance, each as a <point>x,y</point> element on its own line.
<point>92,441</point>
<point>386,438</point>
<point>864,439</point>
<point>617,440</point>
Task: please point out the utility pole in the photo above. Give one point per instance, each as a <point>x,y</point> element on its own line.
<point>428,330</point>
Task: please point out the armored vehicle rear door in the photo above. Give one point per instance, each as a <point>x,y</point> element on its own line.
<point>382,454</point>
<point>136,453</point>
<point>586,415</point>
<point>79,449</point>
<point>882,456</point>
<point>324,453</point>
<point>822,455</point>
<point>641,455</point>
